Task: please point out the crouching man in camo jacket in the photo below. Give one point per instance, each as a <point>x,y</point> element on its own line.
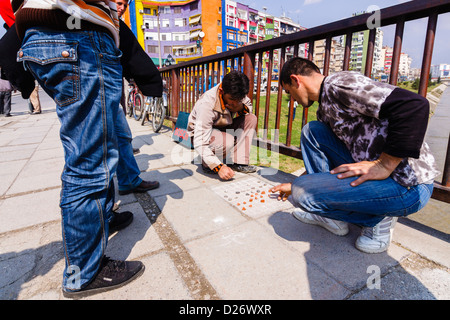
<point>366,158</point>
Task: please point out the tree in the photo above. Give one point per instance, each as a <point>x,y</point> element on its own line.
<point>416,84</point>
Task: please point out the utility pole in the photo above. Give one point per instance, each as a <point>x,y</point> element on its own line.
<point>159,40</point>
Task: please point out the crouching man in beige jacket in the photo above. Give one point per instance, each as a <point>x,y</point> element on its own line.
<point>222,126</point>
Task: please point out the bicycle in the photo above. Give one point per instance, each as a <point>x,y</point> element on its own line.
<point>135,102</point>
<point>156,108</point>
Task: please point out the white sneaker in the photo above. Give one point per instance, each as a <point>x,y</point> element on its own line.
<point>339,228</point>
<point>378,238</point>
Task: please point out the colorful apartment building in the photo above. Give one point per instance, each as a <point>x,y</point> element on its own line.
<point>235,29</point>
<point>358,55</point>
<point>440,71</point>
<point>185,30</point>
<point>388,54</point>
<point>178,30</point>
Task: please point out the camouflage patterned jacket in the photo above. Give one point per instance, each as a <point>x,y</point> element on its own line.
<point>372,117</point>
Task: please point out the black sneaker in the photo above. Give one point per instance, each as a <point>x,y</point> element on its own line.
<point>120,221</point>
<point>244,168</point>
<point>113,274</point>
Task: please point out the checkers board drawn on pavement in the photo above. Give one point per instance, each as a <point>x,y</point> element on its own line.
<point>251,197</point>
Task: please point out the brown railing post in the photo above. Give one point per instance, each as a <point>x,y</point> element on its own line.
<point>280,96</point>
<point>428,54</point>
<point>268,92</point>
<point>175,103</point>
<point>327,60</point>
<point>397,52</point>
<point>291,107</point>
<point>184,90</point>
<point>310,57</point>
<point>347,52</point>
<point>446,174</point>
<point>258,87</point>
<point>370,51</point>
<point>311,50</point>
<point>249,70</point>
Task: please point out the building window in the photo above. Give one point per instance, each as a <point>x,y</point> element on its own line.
<point>147,11</point>
<point>167,49</point>
<point>194,6</point>
<point>180,22</point>
<point>152,49</point>
<point>177,10</point>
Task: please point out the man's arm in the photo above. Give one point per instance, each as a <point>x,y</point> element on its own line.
<point>15,72</point>
<point>138,65</point>
<point>408,114</point>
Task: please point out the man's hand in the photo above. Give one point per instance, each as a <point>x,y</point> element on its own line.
<point>285,190</point>
<point>379,169</point>
<point>226,173</point>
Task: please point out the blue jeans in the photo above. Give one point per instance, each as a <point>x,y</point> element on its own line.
<point>319,192</point>
<point>81,71</point>
<point>127,171</point>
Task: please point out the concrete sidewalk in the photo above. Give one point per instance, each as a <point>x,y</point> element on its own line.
<point>194,244</point>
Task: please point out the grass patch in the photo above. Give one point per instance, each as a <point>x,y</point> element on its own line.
<point>409,85</point>
<point>262,157</point>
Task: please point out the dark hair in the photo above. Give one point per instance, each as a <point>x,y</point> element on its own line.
<point>299,66</point>
<point>236,84</point>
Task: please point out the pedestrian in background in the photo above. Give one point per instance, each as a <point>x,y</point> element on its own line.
<point>128,171</point>
<point>5,95</point>
<point>34,102</point>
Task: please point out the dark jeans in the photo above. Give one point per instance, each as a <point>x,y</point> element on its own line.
<point>5,102</point>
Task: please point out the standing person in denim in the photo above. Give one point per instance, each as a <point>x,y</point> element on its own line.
<point>128,170</point>
<point>81,70</point>
<point>366,158</point>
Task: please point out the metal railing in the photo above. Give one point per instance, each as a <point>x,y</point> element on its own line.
<point>188,80</point>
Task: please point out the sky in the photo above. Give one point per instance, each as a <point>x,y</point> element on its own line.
<point>312,13</point>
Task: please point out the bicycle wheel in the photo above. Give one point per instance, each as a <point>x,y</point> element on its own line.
<point>159,115</point>
<point>138,107</point>
<point>130,105</point>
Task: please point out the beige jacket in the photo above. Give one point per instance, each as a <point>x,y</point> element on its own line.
<point>207,115</point>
